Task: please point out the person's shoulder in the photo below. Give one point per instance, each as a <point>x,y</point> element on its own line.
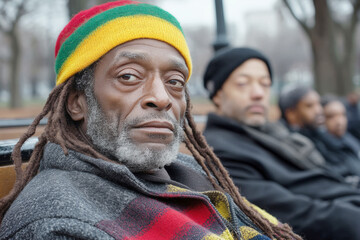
<point>43,186</point>
<point>55,228</point>
<point>51,194</point>
<point>33,204</point>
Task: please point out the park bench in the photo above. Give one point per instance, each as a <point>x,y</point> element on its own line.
<point>11,128</point>
<point>7,171</point>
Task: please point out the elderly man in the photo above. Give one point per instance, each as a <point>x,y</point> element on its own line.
<point>273,168</point>
<point>107,165</point>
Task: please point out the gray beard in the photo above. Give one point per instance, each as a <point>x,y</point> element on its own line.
<point>115,143</point>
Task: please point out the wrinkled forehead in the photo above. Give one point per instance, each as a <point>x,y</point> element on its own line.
<point>147,49</point>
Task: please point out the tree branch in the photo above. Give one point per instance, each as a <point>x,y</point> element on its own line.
<point>6,19</point>
<point>339,27</point>
<point>302,23</point>
<point>3,16</point>
<point>349,31</point>
<point>356,4</point>
<point>20,12</point>
<point>354,16</point>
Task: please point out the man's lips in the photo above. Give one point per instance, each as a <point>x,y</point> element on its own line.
<point>256,108</point>
<point>156,126</point>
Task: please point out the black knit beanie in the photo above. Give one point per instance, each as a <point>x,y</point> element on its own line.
<point>224,63</point>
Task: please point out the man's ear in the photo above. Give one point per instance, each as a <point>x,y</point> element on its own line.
<point>291,117</point>
<point>76,105</point>
<point>217,99</point>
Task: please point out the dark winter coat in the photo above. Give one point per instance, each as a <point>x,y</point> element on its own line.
<point>315,203</point>
<point>353,116</point>
<point>342,154</point>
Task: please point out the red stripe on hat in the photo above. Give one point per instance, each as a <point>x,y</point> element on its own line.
<point>82,16</point>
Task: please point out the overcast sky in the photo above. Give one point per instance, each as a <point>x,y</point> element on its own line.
<point>202,12</point>
<point>190,13</point>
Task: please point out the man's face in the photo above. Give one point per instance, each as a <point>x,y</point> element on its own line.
<point>245,94</point>
<point>309,112</point>
<point>335,118</point>
<point>139,104</point>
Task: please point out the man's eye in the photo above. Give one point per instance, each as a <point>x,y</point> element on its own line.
<point>242,81</point>
<point>241,84</point>
<point>128,77</point>
<point>266,83</point>
<point>176,83</point>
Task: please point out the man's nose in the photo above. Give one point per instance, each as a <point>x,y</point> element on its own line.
<point>156,95</point>
<point>257,91</point>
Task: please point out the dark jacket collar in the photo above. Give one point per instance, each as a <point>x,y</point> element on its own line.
<point>292,147</point>
<point>215,120</point>
<point>338,143</point>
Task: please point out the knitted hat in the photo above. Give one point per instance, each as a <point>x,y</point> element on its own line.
<point>90,34</point>
<point>224,63</point>
<point>290,97</point>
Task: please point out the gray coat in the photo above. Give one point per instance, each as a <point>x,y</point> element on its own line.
<point>79,197</point>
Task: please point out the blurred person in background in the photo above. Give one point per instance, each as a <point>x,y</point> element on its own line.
<point>335,116</point>
<point>353,113</point>
<point>340,148</point>
<point>303,112</point>
<point>276,169</point>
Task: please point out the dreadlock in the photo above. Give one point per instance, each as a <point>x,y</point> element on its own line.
<point>62,130</point>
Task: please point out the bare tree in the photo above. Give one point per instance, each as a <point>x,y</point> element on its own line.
<point>10,14</point>
<point>75,6</point>
<point>332,41</point>
<point>199,40</point>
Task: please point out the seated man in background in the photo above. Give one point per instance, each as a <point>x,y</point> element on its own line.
<point>339,147</point>
<point>302,112</point>
<point>353,113</point>
<point>108,159</point>
<point>265,160</point>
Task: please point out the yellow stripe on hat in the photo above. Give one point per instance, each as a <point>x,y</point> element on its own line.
<point>118,31</point>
